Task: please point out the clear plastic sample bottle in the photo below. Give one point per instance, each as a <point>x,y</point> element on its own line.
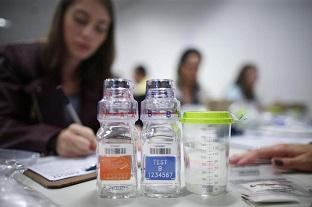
<point>116,141</point>
<point>161,134</point>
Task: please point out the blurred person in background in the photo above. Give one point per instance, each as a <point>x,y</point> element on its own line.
<point>244,88</point>
<point>189,91</point>
<point>244,100</point>
<point>77,55</point>
<point>140,78</point>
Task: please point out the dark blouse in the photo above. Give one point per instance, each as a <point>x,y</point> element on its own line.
<point>31,111</point>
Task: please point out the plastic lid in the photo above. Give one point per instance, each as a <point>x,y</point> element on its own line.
<point>117,83</point>
<point>159,83</point>
<point>207,117</point>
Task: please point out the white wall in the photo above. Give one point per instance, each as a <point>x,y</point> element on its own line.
<point>274,34</point>
<point>30,19</point>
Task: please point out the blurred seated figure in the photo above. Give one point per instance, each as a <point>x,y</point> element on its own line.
<point>244,88</point>
<point>189,91</point>
<point>243,97</point>
<point>282,156</point>
<point>140,78</point>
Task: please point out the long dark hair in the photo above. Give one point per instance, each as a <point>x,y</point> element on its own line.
<point>182,61</point>
<point>92,71</point>
<point>241,82</point>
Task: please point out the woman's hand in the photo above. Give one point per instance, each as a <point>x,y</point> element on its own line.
<point>282,156</point>
<point>75,140</point>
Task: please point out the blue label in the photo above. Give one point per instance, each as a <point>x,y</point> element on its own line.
<point>160,168</point>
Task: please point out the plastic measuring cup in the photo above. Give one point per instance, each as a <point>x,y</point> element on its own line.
<point>206,151</point>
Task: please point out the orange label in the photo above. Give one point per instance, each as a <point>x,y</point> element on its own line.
<point>115,168</point>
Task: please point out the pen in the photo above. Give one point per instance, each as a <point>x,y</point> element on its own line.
<point>68,105</point>
<point>92,167</point>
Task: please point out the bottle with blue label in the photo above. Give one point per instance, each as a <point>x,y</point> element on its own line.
<point>161,159</point>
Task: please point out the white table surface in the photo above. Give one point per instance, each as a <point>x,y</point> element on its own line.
<point>84,194</point>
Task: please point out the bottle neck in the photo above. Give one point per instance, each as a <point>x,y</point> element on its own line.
<point>117,93</point>
<point>116,122</point>
<point>161,121</point>
<point>160,116</point>
<point>160,93</point>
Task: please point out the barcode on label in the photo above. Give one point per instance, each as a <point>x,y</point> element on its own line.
<point>162,151</point>
<point>115,151</point>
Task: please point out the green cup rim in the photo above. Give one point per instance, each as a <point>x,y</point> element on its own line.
<point>207,117</point>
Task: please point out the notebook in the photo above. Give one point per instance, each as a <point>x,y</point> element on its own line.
<point>59,172</point>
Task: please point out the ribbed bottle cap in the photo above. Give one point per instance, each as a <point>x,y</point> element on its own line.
<point>117,83</point>
<point>159,83</point>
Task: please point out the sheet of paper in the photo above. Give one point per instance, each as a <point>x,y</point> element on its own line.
<point>292,130</point>
<point>252,172</point>
<point>253,141</point>
<point>56,168</point>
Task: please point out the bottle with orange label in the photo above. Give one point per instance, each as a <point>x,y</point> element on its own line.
<point>116,141</point>
<point>161,134</point>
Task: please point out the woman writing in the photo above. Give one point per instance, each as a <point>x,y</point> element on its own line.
<point>77,55</point>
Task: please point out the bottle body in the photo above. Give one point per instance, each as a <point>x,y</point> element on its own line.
<point>160,160</point>
<point>116,153</point>
<point>116,141</point>
<point>160,138</point>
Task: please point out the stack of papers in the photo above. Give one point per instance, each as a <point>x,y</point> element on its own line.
<point>270,191</point>
<point>260,185</point>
